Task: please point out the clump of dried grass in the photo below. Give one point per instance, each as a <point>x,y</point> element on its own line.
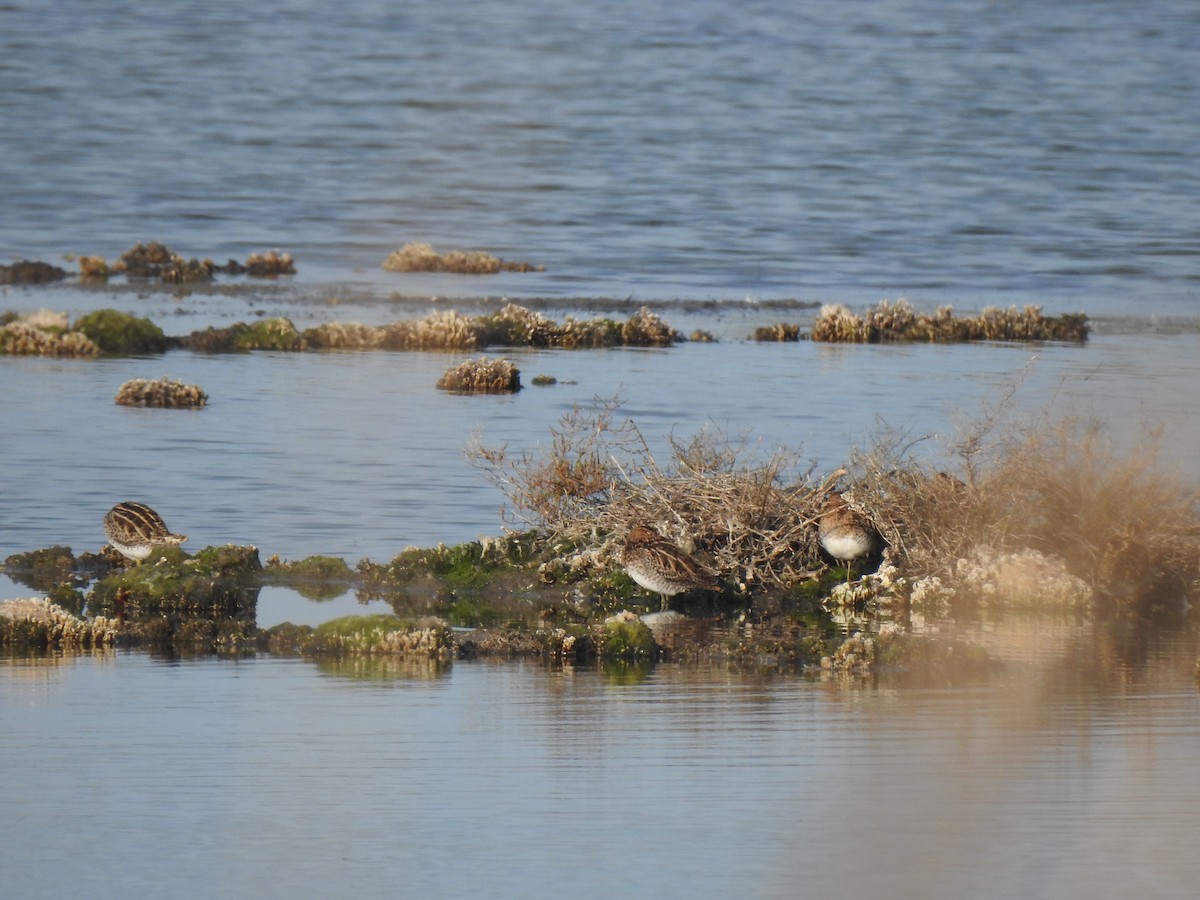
<point>482,376</point>
<point>345,336</point>
<point>421,257</point>
<point>24,339</point>
<point>785,332</point>
<point>447,330</point>
<point>1055,488</point>
<point>898,321</point>
<point>270,264</point>
<point>162,393</point>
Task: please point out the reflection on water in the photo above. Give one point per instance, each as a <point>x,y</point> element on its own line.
<point>282,778</point>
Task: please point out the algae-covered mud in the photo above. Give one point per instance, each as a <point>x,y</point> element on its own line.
<point>1053,520</point>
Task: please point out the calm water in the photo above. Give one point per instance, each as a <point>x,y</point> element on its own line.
<point>280,779</point>
<point>959,149</point>
<point>964,152</point>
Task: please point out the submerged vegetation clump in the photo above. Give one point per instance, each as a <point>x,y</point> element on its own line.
<point>898,321</point>
<point>162,393</point>
<point>779,332</point>
<point>269,264</point>
<point>448,330</point>
<point>345,336</point>
<point>217,582</point>
<point>42,569</point>
<point>421,257</point>
<point>158,261</point>
<point>482,376</point>
<point>26,271</point>
<point>384,635</point>
<point>267,334</point>
<point>103,331</point>
<point>38,624</point>
<point>119,333</point>
<point>510,326</point>
<point>23,339</point>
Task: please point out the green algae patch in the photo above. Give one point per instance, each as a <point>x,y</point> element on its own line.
<point>268,334</point>
<point>314,577</point>
<point>120,334</point>
<point>42,570</point>
<point>470,565</point>
<point>216,582</point>
<point>385,635</point>
<point>626,636</point>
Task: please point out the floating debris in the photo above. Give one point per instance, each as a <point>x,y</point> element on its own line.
<point>888,322</point>
<point>161,393</point>
<point>419,257</point>
<point>26,271</point>
<point>482,376</point>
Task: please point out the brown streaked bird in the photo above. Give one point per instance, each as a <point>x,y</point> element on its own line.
<point>845,533</point>
<point>134,529</point>
<point>658,565</point>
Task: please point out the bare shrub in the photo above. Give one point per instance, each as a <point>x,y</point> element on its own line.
<point>750,516</point>
<point>1051,496</point>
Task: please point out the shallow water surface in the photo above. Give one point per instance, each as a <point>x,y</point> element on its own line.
<point>952,149</point>
<point>282,778</point>
<point>357,455</point>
